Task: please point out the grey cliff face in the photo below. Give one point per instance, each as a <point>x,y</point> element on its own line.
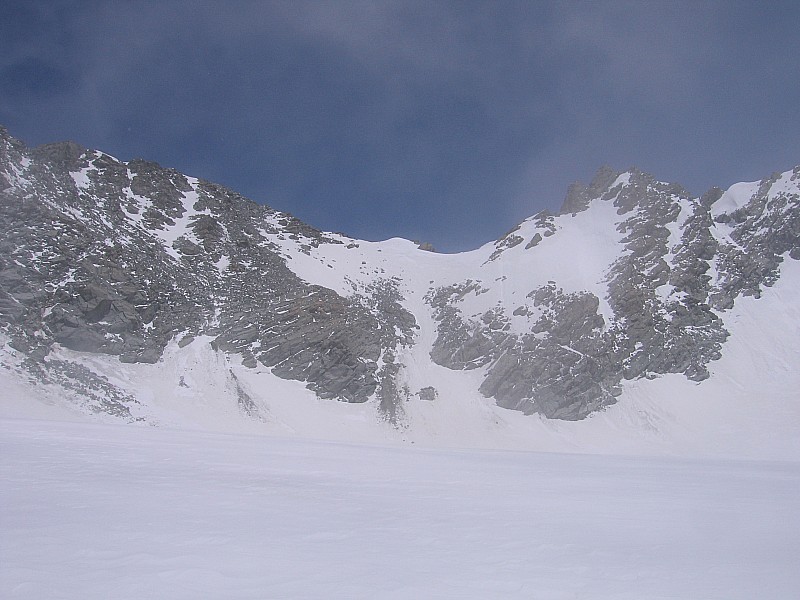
<point>122,258</point>
<point>562,368</point>
<point>678,270</point>
<point>760,233</point>
<point>89,262</point>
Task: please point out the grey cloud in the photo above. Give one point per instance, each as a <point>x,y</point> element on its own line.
<point>442,120</point>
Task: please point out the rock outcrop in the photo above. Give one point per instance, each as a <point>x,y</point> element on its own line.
<point>103,256</point>
<point>681,264</point>
<point>120,258</point>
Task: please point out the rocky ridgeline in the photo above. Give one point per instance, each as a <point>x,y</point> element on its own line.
<point>678,270</point>
<point>119,258</point>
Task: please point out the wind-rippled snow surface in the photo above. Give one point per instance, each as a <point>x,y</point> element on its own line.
<point>101,511</point>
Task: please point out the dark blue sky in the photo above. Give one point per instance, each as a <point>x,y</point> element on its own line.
<point>446,122</point>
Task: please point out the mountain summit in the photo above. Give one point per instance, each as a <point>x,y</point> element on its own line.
<point>111,268</point>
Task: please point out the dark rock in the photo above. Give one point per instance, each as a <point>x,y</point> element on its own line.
<point>428,394</point>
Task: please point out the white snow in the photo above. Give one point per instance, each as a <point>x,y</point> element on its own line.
<point>81,177</point>
<point>680,490</point>
<point>223,263</point>
<point>170,234</point>
<point>16,173</point>
<point>100,511</point>
<point>787,183</point>
<point>622,180</point>
<point>669,415</point>
<point>750,406</point>
<point>142,203</point>
<point>749,409</point>
<point>576,257</point>
<point>734,197</point>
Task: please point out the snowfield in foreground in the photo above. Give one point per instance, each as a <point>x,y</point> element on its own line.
<point>102,511</point>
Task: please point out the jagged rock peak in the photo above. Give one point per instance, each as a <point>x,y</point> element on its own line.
<point>67,154</point>
<point>579,195</point>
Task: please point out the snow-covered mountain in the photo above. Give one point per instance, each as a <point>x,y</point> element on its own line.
<point>130,291</point>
